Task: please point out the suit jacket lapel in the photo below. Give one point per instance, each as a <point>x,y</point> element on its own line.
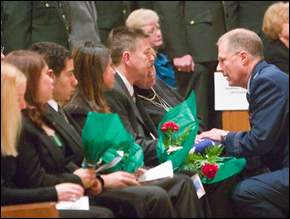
<point>66,130</point>
<point>122,87</point>
<point>56,153</point>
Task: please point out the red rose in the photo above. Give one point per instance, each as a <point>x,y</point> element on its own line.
<point>169,126</point>
<point>209,170</point>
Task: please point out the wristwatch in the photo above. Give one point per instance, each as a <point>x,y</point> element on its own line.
<point>100,178</point>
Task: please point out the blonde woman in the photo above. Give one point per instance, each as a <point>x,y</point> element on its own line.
<point>13,87</point>
<point>148,21</point>
<point>276,28</point>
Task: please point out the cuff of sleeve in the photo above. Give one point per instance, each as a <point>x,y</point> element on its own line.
<point>232,145</point>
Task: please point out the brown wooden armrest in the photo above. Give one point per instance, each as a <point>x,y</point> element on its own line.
<point>34,210</point>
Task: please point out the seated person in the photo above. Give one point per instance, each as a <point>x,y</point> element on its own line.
<point>133,58</point>
<point>90,61</point>
<point>276,28</point>
<point>148,21</point>
<point>13,86</point>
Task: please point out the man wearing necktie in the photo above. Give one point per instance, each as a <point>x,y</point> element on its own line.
<point>131,66</point>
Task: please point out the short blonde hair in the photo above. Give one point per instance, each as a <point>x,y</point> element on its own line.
<point>141,17</point>
<point>11,78</point>
<point>275,16</point>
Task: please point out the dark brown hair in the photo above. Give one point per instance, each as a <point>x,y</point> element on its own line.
<point>90,62</point>
<point>31,64</point>
<point>54,54</point>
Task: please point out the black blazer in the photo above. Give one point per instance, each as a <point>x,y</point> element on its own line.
<point>10,194</point>
<point>277,53</point>
<point>40,162</point>
<point>66,128</point>
<point>122,103</point>
<point>77,109</point>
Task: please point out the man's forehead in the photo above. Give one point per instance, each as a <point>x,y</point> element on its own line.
<point>143,43</point>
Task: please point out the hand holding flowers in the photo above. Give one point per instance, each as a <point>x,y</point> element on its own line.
<point>202,163</point>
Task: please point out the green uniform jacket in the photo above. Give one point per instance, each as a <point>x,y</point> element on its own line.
<point>191,27</point>
<point>246,14</point>
<point>27,22</point>
<point>111,14</point>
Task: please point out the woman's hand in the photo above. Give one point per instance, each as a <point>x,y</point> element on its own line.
<point>69,191</point>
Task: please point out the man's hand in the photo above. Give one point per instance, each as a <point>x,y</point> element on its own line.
<point>184,63</point>
<point>119,179</point>
<point>96,188</point>
<point>140,172</point>
<point>213,134</point>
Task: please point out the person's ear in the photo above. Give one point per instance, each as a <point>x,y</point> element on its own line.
<point>126,57</point>
<point>51,74</point>
<point>244,56</point>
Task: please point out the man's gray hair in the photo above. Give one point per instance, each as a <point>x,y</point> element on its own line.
<point>242,39</point>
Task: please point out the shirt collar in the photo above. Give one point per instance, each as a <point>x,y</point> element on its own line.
<point>129,87</point>
<point>248,85</point>
<point>254,73</point>
<point>53,104</point>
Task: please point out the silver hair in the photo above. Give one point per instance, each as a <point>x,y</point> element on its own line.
<point>242,39</point>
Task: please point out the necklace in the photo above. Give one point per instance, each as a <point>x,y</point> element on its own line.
<point>160,101</point>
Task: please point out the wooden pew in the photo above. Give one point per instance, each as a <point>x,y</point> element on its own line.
<point>33,210</point>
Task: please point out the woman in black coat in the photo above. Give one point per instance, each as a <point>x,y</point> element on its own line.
<point>13,86</point>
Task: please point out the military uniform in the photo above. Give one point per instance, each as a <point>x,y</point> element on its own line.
<point>27,22</point>
<point>246,14</point>
<point>111,14</point>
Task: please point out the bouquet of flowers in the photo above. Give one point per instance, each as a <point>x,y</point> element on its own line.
<point>177,132</point>
<point>205,163</point>
<point>112,146</point>
<point>204,159</point>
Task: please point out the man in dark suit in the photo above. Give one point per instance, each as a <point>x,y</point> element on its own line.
<point>131,67</point>
<point>241,61</point>
<point>133,59</point>
<point>27,22</point>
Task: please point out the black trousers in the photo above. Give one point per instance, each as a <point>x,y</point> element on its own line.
<point>173,197</point>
